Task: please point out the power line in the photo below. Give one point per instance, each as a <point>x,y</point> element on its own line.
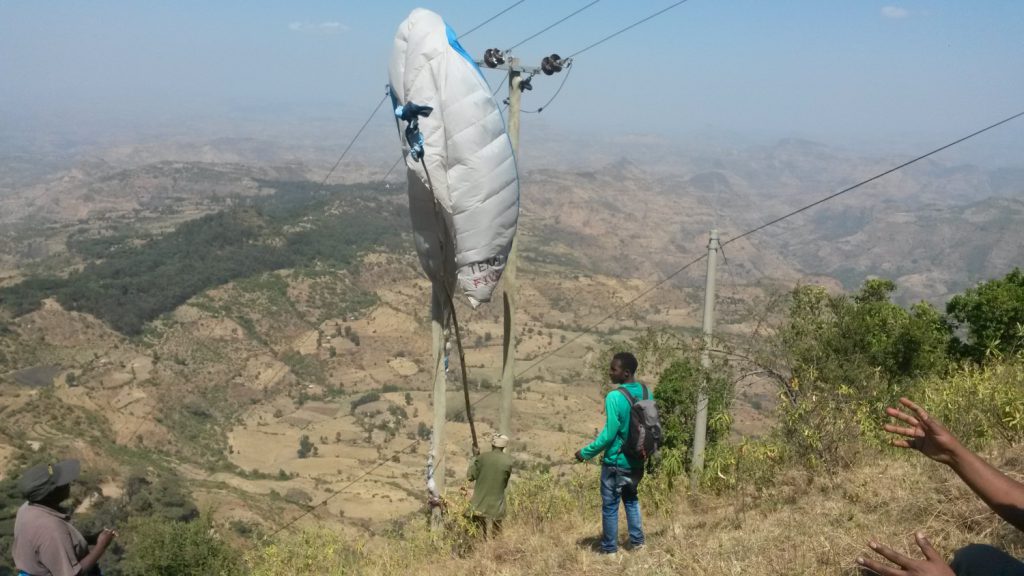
<point>504,82</point>
<point>393,166</point>
<point>590,328</point>
<point>629,303</point>
<point>315,507</point>
<point>365,124</point>
<point>872,179</point>
<point>488,21</point>
<point>549,27</point>
<point>354,138</point>
<point>633,25</point>
<point>568,71</point>
<point>353,482</point>
<point>322,184</point>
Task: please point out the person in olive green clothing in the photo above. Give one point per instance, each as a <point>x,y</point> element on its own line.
<point>620,475</point>
<point>491,473</point>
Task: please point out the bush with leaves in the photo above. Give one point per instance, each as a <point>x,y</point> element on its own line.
<point>160,547</point>
<point>306,447</point>
<point>676,397</point>
<point>371,396</point>
<point>981,405</point>
<point>849,357</point>
<point>992,315</point>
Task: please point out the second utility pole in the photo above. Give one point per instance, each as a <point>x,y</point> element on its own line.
<point>701,425</point>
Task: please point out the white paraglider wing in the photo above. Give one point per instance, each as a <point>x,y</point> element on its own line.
<point>464,192</point>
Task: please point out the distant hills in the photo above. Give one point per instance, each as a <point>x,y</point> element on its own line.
<point>635,205</point>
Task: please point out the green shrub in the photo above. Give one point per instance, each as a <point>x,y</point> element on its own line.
<point>992,314</point>
<point>979,404</point>
<point>367,398</point>
<point>676,397</point>
<point>849,358</point>
<point>160,547</point>
<point>310,552</point>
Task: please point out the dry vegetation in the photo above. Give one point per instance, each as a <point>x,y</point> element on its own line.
<point>803,523</point>
<point>221,392</point>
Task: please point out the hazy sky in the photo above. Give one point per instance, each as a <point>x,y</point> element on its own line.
<point>833,69</point>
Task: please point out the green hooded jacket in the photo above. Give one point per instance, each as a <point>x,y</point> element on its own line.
<point>616,428</point>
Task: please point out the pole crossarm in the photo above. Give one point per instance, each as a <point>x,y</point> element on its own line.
<point>531,70</point>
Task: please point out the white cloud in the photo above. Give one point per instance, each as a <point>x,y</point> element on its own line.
<point>327,27</point>
<point>895,12</point>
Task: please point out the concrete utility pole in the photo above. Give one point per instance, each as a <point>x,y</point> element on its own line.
<point>701,426</point>
<point>439,313</point>
<point>438,316</point>
<point>511,286</point>
<point>516,85</point>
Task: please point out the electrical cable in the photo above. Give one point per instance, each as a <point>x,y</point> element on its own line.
<point>354,138</point>
<point>503,83</point>
<point>549,27</point>
<point>568,70</point>
<point>488,21</point>
<point>393,166</point>
<point>314,507</point>
<point>633,25</point>
<point>309,510</point>
<point>872,179</point>
<point>652,288</point>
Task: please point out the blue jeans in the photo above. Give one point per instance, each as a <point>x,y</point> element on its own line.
<point>984,560</point>
<point>620,483</point>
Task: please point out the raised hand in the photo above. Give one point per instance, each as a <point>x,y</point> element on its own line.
<point>922,433</point>
<point>931,565</point>
<point>105,538</point>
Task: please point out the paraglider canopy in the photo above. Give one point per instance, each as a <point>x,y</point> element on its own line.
<point>463,182</point>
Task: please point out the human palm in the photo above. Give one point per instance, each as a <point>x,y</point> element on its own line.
<point>922,433</point>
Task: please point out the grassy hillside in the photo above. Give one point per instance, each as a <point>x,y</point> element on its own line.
<point>803,523</point>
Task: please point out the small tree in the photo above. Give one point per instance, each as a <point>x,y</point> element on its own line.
<point>992,315</point>
<point>677,404</point>
<point>305,446</point>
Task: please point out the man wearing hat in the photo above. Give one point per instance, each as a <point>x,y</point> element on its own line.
<point>45,542</point>
<point>491,472</point>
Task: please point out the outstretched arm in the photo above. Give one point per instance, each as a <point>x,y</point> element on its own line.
<point>921,432</point>
<point>605,438</point>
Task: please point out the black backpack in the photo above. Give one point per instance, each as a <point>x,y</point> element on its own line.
<point>644,437</point>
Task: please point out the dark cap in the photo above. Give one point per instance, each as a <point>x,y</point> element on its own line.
<point>39,481</point>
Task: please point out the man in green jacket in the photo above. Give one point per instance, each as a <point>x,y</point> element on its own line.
<point>620,475</point>
<point>491,472</point>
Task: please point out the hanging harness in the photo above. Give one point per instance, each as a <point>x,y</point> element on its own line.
<point>410,113</point>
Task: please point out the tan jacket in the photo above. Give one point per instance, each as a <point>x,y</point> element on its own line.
<point>45,542</point>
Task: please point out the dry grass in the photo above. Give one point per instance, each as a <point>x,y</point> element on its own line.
<point>804,524</point>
